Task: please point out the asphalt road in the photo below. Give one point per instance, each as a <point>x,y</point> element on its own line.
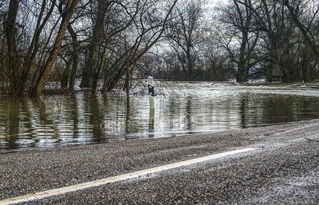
<point>283,169</point>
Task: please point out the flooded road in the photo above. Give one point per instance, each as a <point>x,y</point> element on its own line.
<point>189,108</point>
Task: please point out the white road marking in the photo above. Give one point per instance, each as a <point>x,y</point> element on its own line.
<point>123,177</point>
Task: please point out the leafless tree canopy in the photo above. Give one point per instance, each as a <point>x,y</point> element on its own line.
<point>101,45</point>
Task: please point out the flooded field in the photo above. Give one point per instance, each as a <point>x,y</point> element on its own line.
<point>189,108</point>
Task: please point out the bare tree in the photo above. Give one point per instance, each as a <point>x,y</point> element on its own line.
<point>68,11</point>
<point>20,58</point>
<point>242,38</point>
<point>306,30</point>
<point>185,33</point>
<point>73,45</point>
<point>147,30</point>
<point>278,38</point>
<point>26,30</point>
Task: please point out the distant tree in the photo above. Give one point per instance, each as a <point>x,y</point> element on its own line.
<point>185,34</point>
<point>279,39</point>
<point>306,27</point>
<point>146,31</point>
<point>242,37</point>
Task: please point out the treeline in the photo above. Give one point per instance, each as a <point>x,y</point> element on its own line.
<point>104,44</point>
<point>91,39</point>
<point>276,39</point>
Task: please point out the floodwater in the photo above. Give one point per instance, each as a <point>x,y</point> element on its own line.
<point>188,108</point>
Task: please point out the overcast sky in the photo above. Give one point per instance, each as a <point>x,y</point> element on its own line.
<point>214,3</point>
<point>209,7</point>
<point>217,2</point>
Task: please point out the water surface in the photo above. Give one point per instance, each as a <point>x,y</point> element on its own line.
<point>191,107</point>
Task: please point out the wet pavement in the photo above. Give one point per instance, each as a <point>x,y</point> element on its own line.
<point>284,169</point>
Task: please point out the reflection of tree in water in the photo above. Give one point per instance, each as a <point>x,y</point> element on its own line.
<point>227,112</point>
<point>280,108</point>
<point>13,124</point>
<point>43,116</point>
<point>18,112</point>
<point>243,108</point>
<point>131,121</point>
<point>264,109</point>
<point>174,112</point>
<point>96,117</point>
<point>74,115</point>
<point>28,122</point>
<point>151,121</point>
<point>49,120</point>
<point>188,113</point>
<point>128,120</point>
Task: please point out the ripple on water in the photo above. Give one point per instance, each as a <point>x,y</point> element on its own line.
<point>189,108</point>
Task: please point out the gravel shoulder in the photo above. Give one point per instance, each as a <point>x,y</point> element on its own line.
<point>284,169</point>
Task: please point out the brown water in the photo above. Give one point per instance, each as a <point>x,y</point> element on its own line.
<point>198,107</point>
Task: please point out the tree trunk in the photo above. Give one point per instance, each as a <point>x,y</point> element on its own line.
<point>115,80</point>
<point>66,75</point>
<point>66,16</point>
<point>269,72</point>
<point>13,64</point>
<point>127,82</point>
<point>305,33</point>
<point>86,81</point>
<point>91,70</point>
<point>95,80</point>
<point>189,61</point>
<point>75,62</point>
<point>75,58</point>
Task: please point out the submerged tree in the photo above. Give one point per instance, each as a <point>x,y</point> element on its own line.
<point>28,30</point>
<point>109,43</point>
